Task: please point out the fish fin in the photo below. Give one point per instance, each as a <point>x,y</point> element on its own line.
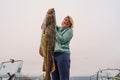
<point>41,51</point>
<point>44,67</point>
<point>41,26</point>
<point>53,67</point>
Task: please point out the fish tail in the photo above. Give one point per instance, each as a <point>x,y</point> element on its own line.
<point>53,66</point>
<point>48,77</point>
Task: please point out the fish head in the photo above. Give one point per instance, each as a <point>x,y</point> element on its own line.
<point>49,21</point>
<point>50,17</point>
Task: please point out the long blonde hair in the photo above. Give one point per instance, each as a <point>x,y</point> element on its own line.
<point>71,21</point>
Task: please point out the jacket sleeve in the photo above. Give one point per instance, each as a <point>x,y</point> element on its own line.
<point>65,36</point>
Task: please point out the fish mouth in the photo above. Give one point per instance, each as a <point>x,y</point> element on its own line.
<point>51,11</point>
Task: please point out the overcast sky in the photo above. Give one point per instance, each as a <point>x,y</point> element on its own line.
<point>96,41</point>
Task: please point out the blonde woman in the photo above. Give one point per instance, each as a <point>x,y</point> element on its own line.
<point>64,34</point>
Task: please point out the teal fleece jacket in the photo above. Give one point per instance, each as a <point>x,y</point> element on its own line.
<point>63,37</point>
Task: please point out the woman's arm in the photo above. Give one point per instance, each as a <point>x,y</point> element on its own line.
<point>65,37</point>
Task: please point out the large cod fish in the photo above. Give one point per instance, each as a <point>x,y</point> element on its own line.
<point>48,43</point>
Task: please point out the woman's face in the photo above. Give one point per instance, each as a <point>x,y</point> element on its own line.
<point>66,22</point>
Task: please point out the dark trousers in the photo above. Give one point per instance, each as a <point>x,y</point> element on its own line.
<point>62,63</point>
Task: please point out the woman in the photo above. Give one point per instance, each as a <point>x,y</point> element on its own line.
<point>62,51</point>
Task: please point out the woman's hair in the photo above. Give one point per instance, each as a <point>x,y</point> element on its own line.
<point>71,21</point>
